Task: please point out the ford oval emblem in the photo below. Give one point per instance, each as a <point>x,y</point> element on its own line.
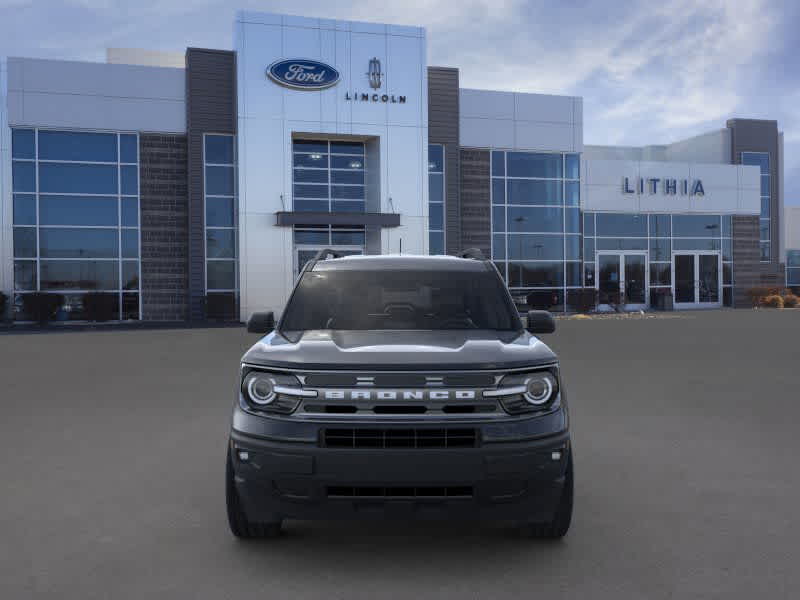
<point>303,74</point>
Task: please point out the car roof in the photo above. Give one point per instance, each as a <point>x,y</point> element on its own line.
<point>400,262</point>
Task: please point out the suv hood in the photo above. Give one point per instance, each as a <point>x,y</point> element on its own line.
<point>401,350</point>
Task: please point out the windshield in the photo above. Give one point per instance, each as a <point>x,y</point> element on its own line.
<point>400,300</point>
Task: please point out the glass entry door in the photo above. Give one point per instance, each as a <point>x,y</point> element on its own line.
<point>622,279</point>
<point>697,280</point>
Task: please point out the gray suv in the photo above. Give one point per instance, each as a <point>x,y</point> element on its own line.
<point>400,387</point>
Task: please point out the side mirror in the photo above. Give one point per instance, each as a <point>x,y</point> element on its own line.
<point>263,322</point>
<point>541,321</point>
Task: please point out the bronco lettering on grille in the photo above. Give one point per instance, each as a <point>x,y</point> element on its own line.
<point>399,394</point>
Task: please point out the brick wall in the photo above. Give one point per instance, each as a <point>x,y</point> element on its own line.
<point>476,220</point>
<point>165,227</point>
<point>746,254</point>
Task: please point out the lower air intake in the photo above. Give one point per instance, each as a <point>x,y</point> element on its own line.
<point>400,438</point>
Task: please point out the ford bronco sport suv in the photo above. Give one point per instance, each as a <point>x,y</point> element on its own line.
<point>400,386</point>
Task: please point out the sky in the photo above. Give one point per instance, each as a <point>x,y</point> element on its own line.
<point>649,72</point>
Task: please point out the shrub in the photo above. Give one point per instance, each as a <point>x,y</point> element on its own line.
<point>99,306</point>
<point>41,306</point>
<point>3,306</point>
<point>773,301</point>
<point>790,301</point>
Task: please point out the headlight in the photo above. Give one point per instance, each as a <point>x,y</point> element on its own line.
<point>527,392</point>
<point>539,388</point>
<point>260,388</point>
<point>265,391</point>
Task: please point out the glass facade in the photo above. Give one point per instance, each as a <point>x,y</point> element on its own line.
<point>76,219</point>
<point>328,176</point>
<point>221,223</point>
<point>536,225</point>
<point>793,268</point>
<point>761,160</point>
<point>436,199</point>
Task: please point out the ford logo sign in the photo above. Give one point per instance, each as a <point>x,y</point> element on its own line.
<point>303,74</point>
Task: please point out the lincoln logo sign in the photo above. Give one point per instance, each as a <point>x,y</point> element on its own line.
<point>669,187</point>
<point>302,74</point>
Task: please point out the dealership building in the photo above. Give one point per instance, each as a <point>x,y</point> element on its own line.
<point>195,186</point>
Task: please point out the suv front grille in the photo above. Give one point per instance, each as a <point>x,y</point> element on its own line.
<point>422,492</point>
<point>400,438</point>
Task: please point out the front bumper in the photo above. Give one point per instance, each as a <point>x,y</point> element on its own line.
<point>510,475</point>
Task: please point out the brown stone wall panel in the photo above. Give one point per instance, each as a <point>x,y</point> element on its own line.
<point>476,219</point>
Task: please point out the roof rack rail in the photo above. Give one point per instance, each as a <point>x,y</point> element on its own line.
<point>327,253</point>
<point>472,253</point>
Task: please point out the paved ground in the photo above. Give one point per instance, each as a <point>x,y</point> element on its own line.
<point>688,486</point>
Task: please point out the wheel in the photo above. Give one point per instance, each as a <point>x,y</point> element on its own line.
<point>240,525</point>
<point>558,527</point>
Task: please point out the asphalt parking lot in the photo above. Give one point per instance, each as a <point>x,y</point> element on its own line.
<point>687,482</point>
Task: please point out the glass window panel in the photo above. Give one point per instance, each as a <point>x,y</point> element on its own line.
<point>573,274</point>
<point>498,163</point>
<point>501,268</point>
<point>347,148</point>
<point>727,249</point>
<point>77,210</point>
<point>621,243</point>
<point>436,215</point>
<point>498,218</point>
<point>765,208</point>
<point>311,205</point>
<point>310,191</point>
<point>358,177</point>
<point>526,191</point>
<point>25,242</point>
<point>572,192</point>
<point>25,275</point>
<point>130,274</point>
<point>77,179</point>
<point>588,274</point>
<point>130,307</point>
<point>793,258</point>
<point>533,274</point>
<point>343,162</point>
<point>766,251</point>
<point>588,224</point>
<point>660,274</point>
<point>538,219</point>
<point>727,273</point>
<point>219,149</point>
<point>727,226</point>
<point>588,249</point>
<point>532,164</point>
<point>572,220</point>
<point>79,275</point>
<point>660,249</point>
<point>130,243</point>
<point>695,244</point>
<point>763,229</point>
<point>622,225</point>
<point>23,176</point>
<point>759,159</point>
<point>765,185</point>
<point>24,209</point>
<point>219,212</point>
<point>793,277</point>
<point>129,183</point>
<point>23,143</point>
<point>219,181</point>
<point>130,212</point>
<point>435,158</point>
<point>128,148</point>
<point>316,161</point>
<point>573,166</point>
<point>348,206</point>
<point>78,146</point>
<point>572,246</point>
<point>696,225</point>
<point>221,274</point>
<point>436,188</point>
<point>310,146</point>
<point>499,247</point>
<point>311,237</point>
<point>220,243</point>
<point>727,297</point>
<point>57,242</point>
<point>312,175</point>
<point>347,192</point>
<point>535,247</point>
<point>436,242</point>
<point>348,238</point>
<point>498,191</point>
<point>660,226</point>
<point>552,300</point>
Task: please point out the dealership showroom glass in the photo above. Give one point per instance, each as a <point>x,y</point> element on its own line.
<point>196,185</point>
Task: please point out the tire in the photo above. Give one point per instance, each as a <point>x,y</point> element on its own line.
<point>239,524</point>
<point>559,526</point>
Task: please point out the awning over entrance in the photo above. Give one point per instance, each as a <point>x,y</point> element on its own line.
<point>287,219</point>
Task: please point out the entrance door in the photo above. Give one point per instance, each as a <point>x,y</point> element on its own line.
<point>622,279</point>
<point>303,254</point>
<point>697,279</point>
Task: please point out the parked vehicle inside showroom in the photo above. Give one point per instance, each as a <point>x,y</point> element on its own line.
<point>400,387</point>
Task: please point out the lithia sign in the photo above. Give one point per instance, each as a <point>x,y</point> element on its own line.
<point>667,186</point>
<point>306,74</point>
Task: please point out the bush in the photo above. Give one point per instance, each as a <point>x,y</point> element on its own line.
<point>758,295</point>
<point>773,301</point>
<point>3,306</point>
<point>790,301</point>
<point>99,306</point>
<point>41,306</point>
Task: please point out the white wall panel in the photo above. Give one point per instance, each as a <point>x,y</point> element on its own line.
<point>486,104</point>
<point>486,133</point>
<point>363,47</point>
<point>541,107</point>
<point>6,205</point>
<point>540,135</point>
